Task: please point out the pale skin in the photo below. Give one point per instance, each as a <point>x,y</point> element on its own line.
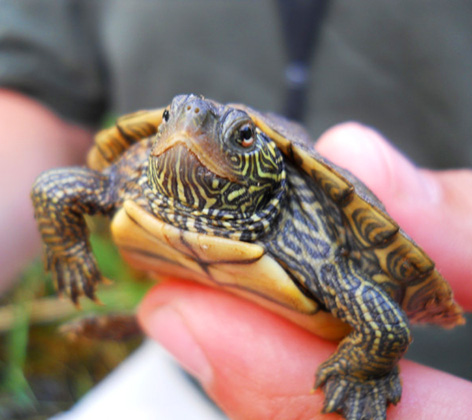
<point>33,139</point>
<point>256,365</point>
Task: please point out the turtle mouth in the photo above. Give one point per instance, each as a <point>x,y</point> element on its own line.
<point>179,170</point>
<point>198,151</point>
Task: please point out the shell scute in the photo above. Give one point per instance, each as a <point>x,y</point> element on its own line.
<point>333,184</point>
<point>430,301</point>
<point>403,259</point>
<point>370,226</point>
<point>111,143</point>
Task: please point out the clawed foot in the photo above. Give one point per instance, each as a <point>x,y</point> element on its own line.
<point>358,399</point>
<point>75,273</point>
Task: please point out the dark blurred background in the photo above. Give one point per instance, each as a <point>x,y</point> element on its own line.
<point>403,67</point>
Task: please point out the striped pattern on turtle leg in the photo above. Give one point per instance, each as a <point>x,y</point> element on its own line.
<point>61,198</point>
<point>360,379</point>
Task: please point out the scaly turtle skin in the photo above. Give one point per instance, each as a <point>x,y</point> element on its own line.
<point>237,199</point>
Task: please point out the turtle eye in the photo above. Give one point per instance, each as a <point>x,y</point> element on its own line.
<point>245,135</point>
<point>165,115</point>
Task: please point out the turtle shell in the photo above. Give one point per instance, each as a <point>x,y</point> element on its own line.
<point>245,269</point>
<point>111,143</point>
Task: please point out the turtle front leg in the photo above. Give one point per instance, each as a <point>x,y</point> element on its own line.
<point>361,378</point>
<point>61,198</point>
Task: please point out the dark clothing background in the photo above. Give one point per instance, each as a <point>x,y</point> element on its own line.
<point>403,67</point>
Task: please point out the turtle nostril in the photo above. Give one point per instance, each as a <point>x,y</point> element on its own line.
<point>195,109</point>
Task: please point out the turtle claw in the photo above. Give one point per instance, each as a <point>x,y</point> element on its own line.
<point>75,274</point>
<point>106,281</point>
<point>358,399</point>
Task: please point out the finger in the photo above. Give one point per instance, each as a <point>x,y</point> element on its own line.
<point>433,207</point>
<point>256,365</point>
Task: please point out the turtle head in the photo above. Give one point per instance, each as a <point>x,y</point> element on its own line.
<point>212,157</point>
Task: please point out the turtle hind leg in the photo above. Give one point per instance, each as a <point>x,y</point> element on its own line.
<point>361,378</point>
<point>360,399</point>
<point>61,197</point>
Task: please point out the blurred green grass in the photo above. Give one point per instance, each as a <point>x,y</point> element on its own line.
<point>42,372</point>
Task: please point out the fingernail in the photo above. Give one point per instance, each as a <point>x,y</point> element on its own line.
<point>169,328</point>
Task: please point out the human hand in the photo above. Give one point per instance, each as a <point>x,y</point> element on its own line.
<point>256,365</point>
<point>34,139</point>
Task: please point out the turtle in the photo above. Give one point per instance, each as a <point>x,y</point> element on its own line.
<point>239,199</point>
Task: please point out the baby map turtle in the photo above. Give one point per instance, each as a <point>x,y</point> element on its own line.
<point>234,198</point>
